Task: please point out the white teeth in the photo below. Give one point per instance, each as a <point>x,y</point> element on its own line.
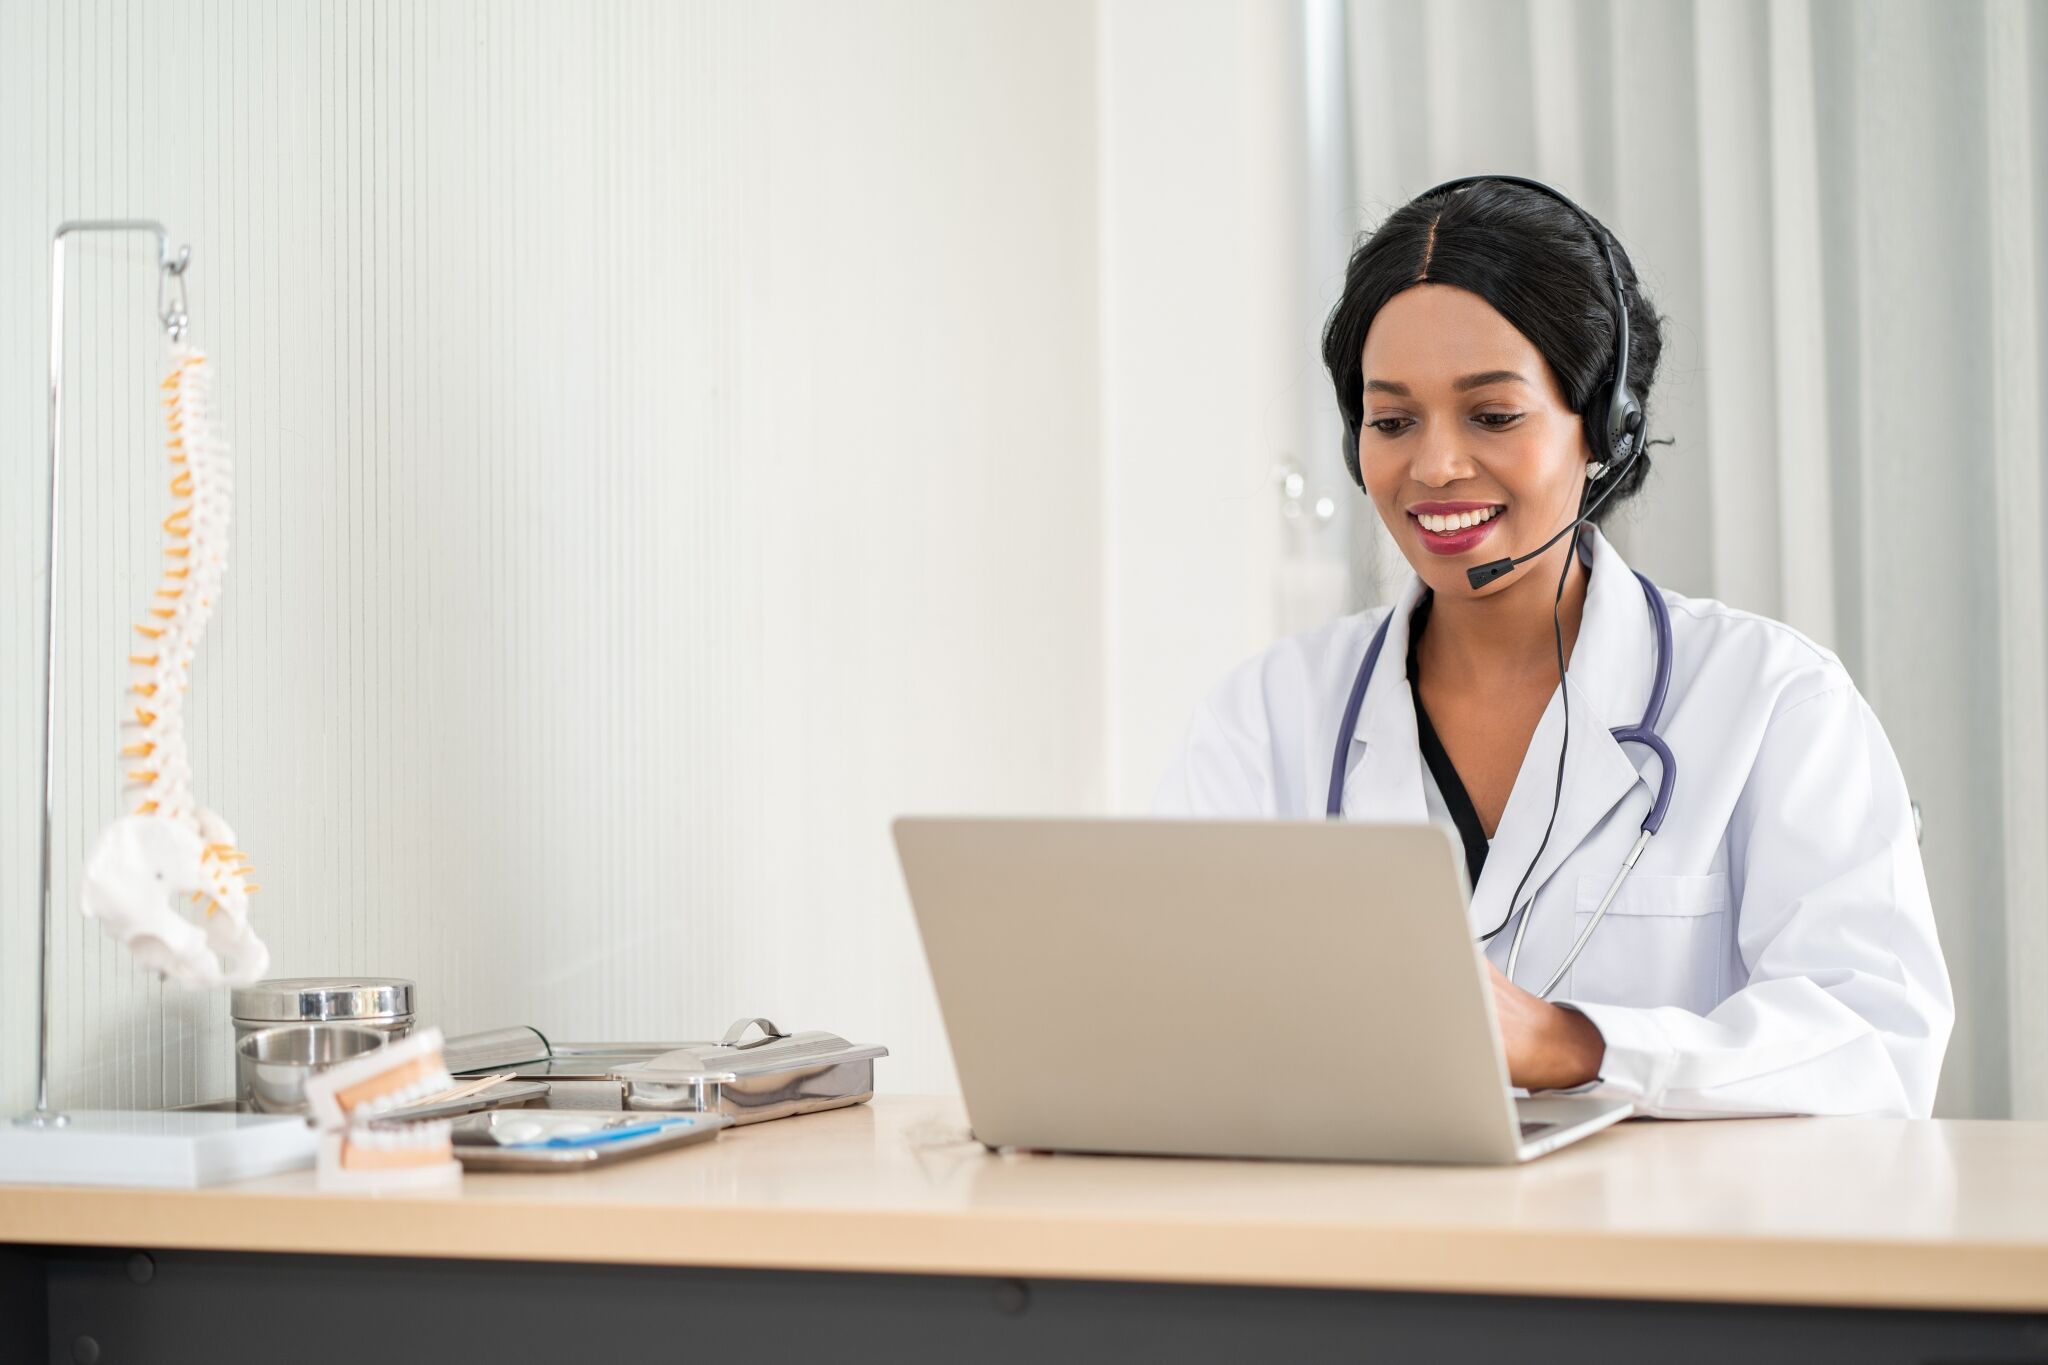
<point>396,1137</point>
<point>418,1089</point>
<point>1448,522</point>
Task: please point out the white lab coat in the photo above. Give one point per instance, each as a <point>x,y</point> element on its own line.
<point>1773,952</point>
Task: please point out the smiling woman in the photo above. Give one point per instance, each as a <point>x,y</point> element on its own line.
<point>1772,948</point>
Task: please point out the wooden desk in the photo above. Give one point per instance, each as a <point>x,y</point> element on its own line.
<point>1648,1241</point>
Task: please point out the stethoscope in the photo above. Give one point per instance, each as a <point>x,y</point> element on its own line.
<point>1643,732</point>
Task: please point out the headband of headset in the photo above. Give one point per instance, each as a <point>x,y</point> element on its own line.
<point>1624,414</point>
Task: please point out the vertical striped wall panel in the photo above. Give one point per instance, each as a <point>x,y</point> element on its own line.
<point>667,447</point>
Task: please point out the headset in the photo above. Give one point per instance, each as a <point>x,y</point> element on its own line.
<point>1625,422</point>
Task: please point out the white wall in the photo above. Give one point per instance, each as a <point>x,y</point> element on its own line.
<point>668,447</point>
<point>1210,365</point>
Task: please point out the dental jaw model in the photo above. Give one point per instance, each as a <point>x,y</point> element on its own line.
<point>357,1152</point>
<point>167,879</point>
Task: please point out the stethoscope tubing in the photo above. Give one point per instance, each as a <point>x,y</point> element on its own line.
<point>1643,733</point>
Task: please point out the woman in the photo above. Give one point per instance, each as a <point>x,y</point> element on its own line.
<point>1774,949</point>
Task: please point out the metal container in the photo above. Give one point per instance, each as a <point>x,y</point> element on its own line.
<point>384,1003</point>
<point>747,1081</point>
<point>272,1065</point>
<point>499,1049</point>
<point>772,1077</point>
<point>578,1075</point>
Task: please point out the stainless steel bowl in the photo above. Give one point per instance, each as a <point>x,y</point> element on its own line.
<point>272,1065</point>
<point>380,1002</point>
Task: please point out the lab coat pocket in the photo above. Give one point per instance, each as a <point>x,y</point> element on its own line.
<point>1662,942</point>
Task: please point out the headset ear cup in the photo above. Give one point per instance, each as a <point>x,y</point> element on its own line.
<point>1629,441</point>
<point>1612,425</point>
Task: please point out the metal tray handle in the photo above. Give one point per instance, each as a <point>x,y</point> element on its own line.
<point>739,1030</point>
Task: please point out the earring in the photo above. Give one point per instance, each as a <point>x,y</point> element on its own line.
<point>1594,469</point>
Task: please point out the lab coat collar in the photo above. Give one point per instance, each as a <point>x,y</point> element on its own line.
<point>1385,781</point>
<point>1614,660</point>
<point>1607,685</point>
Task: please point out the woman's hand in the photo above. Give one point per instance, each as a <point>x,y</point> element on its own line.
<point>1549,1047</point>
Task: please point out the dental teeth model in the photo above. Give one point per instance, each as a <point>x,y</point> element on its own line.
<point>393,1147</point>
<point>166,879</point>
<point>387,1078</point>
<point>359,1152</point>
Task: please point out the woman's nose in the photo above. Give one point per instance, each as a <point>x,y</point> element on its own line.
<point>1438,460</point>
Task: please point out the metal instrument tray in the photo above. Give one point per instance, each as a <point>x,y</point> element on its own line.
<point>503,1095</point>
<point>511,1140</point>
<point>772,1077</point>
<point>511,1094</point>
<point>531,1054</point>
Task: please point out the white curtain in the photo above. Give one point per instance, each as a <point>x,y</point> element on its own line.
<point>1840,210</point>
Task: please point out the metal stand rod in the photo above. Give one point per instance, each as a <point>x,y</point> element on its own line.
<point>174,321</point>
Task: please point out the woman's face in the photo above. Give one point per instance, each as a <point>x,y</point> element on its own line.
<point>1468,447</point>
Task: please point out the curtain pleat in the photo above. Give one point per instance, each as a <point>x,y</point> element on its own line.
<point>2013,100</point>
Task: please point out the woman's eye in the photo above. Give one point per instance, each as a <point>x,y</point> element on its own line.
<point>1388,426</point>
<point>1497,421</point>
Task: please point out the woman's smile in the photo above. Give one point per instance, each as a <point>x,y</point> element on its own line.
<point>1452,528</point>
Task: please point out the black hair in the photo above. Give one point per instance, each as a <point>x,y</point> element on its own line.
<point>1536,263</point>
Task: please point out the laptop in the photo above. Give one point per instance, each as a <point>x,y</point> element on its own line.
<point>1297,989</point>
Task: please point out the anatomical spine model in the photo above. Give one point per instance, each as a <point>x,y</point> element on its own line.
<point>166,878</point>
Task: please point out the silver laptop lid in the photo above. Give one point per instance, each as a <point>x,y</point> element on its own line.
<point>1211,988</point>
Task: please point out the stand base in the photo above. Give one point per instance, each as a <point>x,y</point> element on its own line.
<point>157,1149</point>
